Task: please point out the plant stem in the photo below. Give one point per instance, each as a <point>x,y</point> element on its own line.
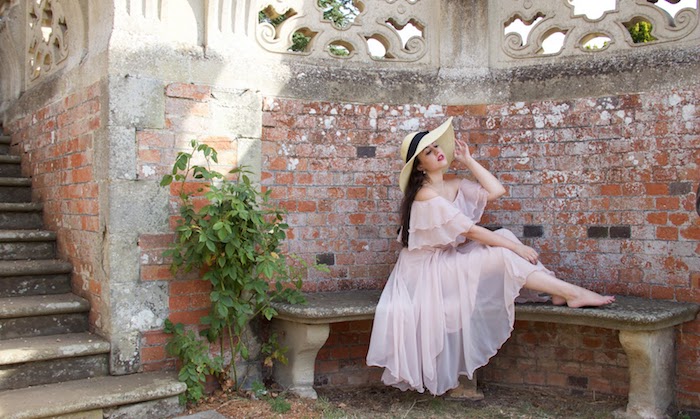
<point>233,354</point>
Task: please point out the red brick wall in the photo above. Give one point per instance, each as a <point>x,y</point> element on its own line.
<point>187,115</point>
<point>603,187</point>
<point>579,358</point>
<point>56,143</point>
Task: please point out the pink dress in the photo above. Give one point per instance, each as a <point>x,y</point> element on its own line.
<point>448,305</point>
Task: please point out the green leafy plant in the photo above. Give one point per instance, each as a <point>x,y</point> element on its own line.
<point>341,13</point>
<point>196,362</point>
<point>277,401</point>
<point>641,32</point>
<point>229,231</point>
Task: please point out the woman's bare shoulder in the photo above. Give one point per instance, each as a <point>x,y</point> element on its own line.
<point>425,194</point>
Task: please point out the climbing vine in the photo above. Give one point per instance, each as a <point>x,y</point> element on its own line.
<point>235,240</point>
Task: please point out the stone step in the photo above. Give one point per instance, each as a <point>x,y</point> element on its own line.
<point>5,142</point>
<point>34,277</point>
<point>22,215</point>
<point>27,244</point>
<point>42,315</point>
<point>143,395</point>
<point>15,189</point>
<point>18,286</point>
<point>49,359</point>
<point>34,267</point>
<point>10,166</point>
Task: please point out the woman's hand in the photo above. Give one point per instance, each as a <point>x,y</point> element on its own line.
<point>462,153</point>
<point>527,253</point>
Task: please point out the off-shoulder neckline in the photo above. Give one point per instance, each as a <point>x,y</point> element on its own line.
<point>459,191</point>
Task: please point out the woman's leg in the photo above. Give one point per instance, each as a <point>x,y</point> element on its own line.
<point>564,292</point>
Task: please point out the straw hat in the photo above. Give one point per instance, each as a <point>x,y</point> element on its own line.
<point>415,142</point>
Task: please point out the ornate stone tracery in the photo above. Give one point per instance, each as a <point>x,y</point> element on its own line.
<point>47,43</point>
<point>546,18</point>
<point>381,22</point>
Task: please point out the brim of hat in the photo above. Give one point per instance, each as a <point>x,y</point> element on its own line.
<point>444,136</point>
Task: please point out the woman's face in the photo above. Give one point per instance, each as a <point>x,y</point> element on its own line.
<point>432,158</point>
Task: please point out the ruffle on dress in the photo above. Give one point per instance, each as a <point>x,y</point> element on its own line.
<point>436,223</point>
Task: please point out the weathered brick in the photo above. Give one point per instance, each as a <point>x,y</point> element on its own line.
<point>597,232</point>
<point>620,232</point>
<point>326,259</point>
<point>680,188</point>
<point>188,91</point>
<point>533,231</point>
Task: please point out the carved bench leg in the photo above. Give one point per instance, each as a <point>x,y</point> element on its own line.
<point>651,367</point>
<point>303,341</point>
<point>467,390</point>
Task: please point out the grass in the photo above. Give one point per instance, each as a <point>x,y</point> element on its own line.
<point>378,402</point>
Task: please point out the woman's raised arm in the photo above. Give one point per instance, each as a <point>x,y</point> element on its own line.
<point>488,181</point>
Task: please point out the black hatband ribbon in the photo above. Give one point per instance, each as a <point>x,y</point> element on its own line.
<point>414,144</point>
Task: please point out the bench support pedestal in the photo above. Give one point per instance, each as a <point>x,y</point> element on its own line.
<point>650,355</point>
<point>303,341</point>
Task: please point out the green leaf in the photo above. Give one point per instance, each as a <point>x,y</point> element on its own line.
<point>227,301</point>
<point>167,180</point>
<point>221,310</point>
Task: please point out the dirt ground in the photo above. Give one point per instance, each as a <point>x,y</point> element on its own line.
<point>385,402</point>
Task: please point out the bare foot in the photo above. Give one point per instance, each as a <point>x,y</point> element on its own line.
<point>586,298</point>
<point>558,301</point>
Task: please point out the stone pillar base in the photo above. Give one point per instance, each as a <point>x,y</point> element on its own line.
<point>303,341</point>
<point>466,391</point>
<point>650,355</point>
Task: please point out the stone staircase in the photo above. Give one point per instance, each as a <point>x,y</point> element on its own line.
<point>50,365</point>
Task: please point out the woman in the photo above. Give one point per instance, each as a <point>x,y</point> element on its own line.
<point>448,305</point>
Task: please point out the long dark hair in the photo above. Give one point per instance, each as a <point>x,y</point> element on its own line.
<point>415,182</point>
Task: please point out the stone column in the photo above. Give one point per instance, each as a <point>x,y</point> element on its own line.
<point>303,342</point>
<point>650,355</point>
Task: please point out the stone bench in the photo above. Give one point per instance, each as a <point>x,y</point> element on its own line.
<point>646,332</point>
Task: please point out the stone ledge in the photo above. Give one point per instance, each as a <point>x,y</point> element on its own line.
<point>15,181</point>
<point>627,313</point>
<point>42,348</point>
<point>42,305</point>
<point>89,394</point>
<point>331,307</point>
<point>21,206</point>
<point>34,267</point>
